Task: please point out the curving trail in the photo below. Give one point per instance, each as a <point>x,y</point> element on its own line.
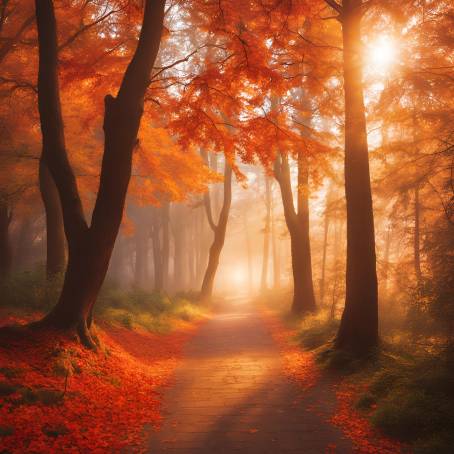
<point>231,395</point>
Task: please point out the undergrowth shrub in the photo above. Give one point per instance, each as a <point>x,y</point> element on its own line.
<point>317,329</point>
<point>412,401</point>
<point>29,292</point>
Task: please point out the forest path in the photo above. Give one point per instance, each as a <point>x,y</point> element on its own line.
<point>231,396</point>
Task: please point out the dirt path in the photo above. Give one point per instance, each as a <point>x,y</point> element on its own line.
<point>231,396</point>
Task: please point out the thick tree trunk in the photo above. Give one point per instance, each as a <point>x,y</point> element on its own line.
<point>219,230</point>
<point>5,243</point>
<point>359,325</point>
<point>90,248</point>
<point>55,232</point>
<point>298,226</point>
<point>266,236</point>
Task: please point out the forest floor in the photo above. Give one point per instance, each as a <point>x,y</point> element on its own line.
<point>243,387</point>
<point>56,396</point>
<point>237,381</point>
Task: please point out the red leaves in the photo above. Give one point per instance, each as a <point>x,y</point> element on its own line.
<point>111,402</point>
<point>357,427</point>
<point>299,365</point>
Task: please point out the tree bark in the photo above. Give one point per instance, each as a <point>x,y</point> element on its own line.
<point>55,232</point>
<point>359,325</point>
<point>298,226</point>
<point>90,247</point>
<point>6,258</point>
<point>219,231</point>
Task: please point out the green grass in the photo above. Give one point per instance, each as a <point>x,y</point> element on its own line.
<point>410,399</point>
<point>152,311</point>
<point>29,292</point>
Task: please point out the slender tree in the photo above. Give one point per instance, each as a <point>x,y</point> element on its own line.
<point>90,246</point>
<point>297,220</point>
<point>219,231</point>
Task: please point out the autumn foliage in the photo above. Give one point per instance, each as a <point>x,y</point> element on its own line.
<point>56,396</point>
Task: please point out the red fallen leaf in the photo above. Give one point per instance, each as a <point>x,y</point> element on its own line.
<point>252,431</point>
<point>108,401</point>
<point>299,365</point>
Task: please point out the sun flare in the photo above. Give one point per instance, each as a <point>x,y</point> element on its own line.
<point>381,54</point>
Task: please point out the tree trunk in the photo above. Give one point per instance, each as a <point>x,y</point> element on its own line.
<point>5,243</point>
<point>298,227</point>
<point>266,236</point>
<point>90,247</point>
<point>359,325</point>
<point>219,230</point>
<point>55,232</point>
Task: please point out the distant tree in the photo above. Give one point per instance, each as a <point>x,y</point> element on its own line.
<point>219,229</point>
<point>297,220</point>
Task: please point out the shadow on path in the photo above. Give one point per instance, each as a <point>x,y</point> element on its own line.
<point>231,396</point>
